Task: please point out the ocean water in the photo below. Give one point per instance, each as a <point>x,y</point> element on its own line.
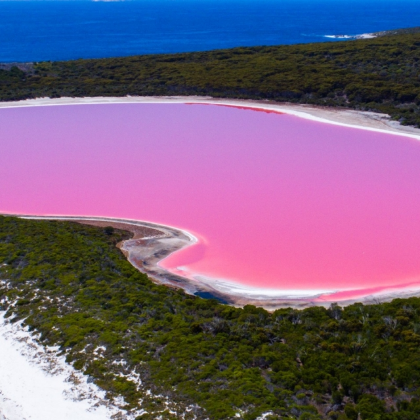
<point>62,30</point>
<point>276,201</point>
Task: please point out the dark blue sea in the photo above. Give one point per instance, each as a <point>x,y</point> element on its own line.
<point>62,30</point>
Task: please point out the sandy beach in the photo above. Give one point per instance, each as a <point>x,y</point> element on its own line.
<point>37,384</point>
<point>152,243</point>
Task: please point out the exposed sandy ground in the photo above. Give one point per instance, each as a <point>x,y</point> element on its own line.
<point>37,384</point>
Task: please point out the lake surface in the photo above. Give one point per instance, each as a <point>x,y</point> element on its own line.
<point>63,30</point>
<point>277,201</point>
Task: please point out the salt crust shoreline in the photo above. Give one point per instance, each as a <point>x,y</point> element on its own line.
<point>146,254</point>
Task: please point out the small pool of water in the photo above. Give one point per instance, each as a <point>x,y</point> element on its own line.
<point>277,202</point>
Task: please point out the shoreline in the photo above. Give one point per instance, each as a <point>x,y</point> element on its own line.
<point>147,249</point>
<point>152,243</point>
<point>345,117</point>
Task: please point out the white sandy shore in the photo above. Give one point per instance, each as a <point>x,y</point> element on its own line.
<point>344,117</point>
<point>299,298</point>
<point>261,293</point>
<point>36,384</point>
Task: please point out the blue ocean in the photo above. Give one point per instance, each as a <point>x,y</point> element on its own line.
<point>63,30</point>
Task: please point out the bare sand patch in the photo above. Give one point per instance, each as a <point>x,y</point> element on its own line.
<point>37,384</point>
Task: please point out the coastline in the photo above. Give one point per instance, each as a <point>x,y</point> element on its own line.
<point>151,243</point>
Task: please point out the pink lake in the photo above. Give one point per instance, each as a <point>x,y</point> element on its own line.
<point>277,201</point>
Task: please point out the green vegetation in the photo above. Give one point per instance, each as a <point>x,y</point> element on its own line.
<point>69,283</point>
<point>402,31</point>
<point>381,74</point>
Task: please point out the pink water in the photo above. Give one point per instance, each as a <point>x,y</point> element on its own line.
<point>277,201</point>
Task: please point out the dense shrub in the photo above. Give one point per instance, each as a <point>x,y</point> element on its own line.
<point>381,74</point>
